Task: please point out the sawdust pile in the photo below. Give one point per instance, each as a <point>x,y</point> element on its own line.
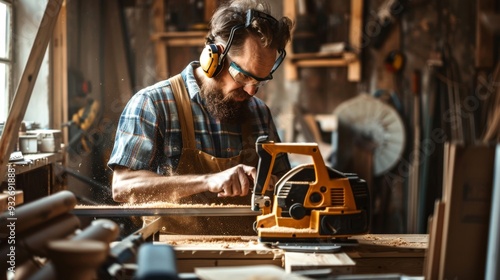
<point>284,229</point>
<point>394,241</point>
<point>219,244</point>
<point>206,240</point>
<point>162,205</point>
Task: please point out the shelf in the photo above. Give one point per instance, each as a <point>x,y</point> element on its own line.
<point>179,38</point>
<point>347,59</point>
<point>166,60</point>
<point>323,59</point>
<point>33,161</point>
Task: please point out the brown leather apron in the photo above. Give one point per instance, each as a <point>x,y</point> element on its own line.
<point>194,161</point>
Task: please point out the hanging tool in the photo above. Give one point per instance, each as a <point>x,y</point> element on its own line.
<point>385,19</point>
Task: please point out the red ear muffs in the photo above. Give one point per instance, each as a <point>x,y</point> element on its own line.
<point>209,60</point>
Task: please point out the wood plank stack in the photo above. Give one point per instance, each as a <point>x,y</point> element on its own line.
<point>459,229</point>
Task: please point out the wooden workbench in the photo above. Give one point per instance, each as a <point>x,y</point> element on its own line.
<point>374,254</point>
<point>35,177</point>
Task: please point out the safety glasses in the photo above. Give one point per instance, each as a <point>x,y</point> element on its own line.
<point>245,78</point>
<point>239,75</point>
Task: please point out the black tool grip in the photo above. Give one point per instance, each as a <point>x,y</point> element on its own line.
<point>156,261</point>
<point>264,165</point>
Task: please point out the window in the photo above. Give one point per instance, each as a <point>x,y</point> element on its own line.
<point>5,57</point>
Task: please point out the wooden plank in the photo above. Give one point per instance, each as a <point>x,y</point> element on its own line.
<point>178,35</point>
<point>354,71</point>
<point>409,266</point>
<point>18,199</point>
<point>485,39</point>
<point>27,82</point>
<point>389,253</point>
<point>245,272</point>
<point>210,6</point>
<point>356,24</point>
<point>188,42</point>
<point>290,71</point>
<point>355,39</point>
<point>433,255</point>
<point>320,63</point>
<point>491,20</point>
<point>211,251</point>
<point>376,253</point>
<point>115,29</point>
<point>466,213</point>
<point>338,263</point>
<point>59,107</point>
<point>161,57</point>
<point>4,199</point>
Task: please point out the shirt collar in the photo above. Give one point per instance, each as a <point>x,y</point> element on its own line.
<point>190,80</point>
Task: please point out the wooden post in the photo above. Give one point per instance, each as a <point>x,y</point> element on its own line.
<point>355,39</point>
<point>59,73</point>
<point>160,47</point>
<point>27,82</point>
<point>484,37</point>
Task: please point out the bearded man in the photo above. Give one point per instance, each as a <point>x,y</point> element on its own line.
<point>191,138</point>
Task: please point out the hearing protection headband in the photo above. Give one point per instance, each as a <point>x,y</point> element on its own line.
<point>250,17</point>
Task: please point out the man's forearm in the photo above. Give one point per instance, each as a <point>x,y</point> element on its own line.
<point>142,186</point>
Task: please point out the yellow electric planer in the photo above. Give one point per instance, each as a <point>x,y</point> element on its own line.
<point>312,203</point>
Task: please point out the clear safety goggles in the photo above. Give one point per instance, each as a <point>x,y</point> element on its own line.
<point>245,78</point>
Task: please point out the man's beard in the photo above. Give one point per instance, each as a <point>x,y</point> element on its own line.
<point>224,108</point>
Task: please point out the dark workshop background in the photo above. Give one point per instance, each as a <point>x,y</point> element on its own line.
<point>433,62</point>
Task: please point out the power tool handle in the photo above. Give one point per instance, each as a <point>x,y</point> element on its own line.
<point>264,166</point>
<point>156,261</point>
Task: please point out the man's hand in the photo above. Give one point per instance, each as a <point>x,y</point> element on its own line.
<point>235,181</point>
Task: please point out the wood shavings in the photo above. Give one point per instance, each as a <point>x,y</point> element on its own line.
<point>287,229</point>
<point>161,205</point>
<point>400,241</point>
<point>245,244</point>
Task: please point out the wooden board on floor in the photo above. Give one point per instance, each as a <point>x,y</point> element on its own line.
<point>245,272</point>
<point>337,263</point>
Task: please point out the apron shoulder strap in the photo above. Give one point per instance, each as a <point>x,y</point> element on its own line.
<point>246,135</point>
<point>183,104</point>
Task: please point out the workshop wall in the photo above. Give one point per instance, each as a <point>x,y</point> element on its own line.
<point>436,42</point>
<point>28,17</point>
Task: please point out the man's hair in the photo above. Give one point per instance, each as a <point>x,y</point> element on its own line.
<point>233,13</point>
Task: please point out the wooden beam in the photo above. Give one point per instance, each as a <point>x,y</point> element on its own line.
<point>356,24</point>
<point>291,72</point>
<point>118,50</point>
<point>484,37</point>
<point>23,93</point>
<point>160,48</point>
<point>433,255</point>
<point>59,74</point>
<point>210,6</point>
